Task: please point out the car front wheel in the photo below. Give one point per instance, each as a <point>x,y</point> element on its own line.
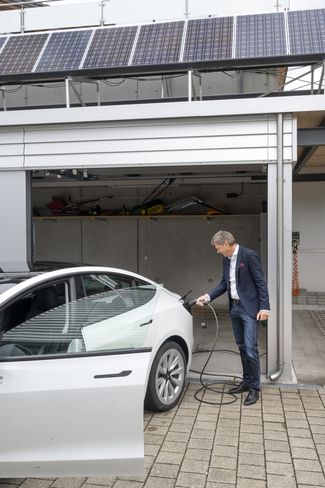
<point>167,378</point>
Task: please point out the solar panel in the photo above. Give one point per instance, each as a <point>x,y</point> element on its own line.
<point>307,31</point>
<point>64,51</point>
<point>2,41</point>
<point>110,47</point>
<point>20,53</point>
<point>159,43</point>
<point>209,39</point>
<point>260,35</point>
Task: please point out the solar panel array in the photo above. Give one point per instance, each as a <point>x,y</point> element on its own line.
<point>63,51</point>
<point>260,35</point>
<point>307,31</point>
<point>20,53</point>
<point>159,44</point>
<point>110,47</point>
<point>207,41</point>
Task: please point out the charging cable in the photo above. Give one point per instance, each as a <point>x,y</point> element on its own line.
<point>211,386</point>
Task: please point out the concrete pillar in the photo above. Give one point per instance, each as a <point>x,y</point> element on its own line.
<point>16,221</point>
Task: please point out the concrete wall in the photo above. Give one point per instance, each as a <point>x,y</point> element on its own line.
<point>309,220</point>
<point>173,250</point>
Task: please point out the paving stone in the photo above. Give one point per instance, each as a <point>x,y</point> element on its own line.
<point>154,482</point>
<point>153,439</point>
<point>228,431</point>
<point>128,484</point>
<point>169,457</point>
<point>297,423</point>
<point>191,480</point>
<point>285,469</point>
<point>274,481</point>
<point>164,470</point>
<point>223,462</point>
<point>254,472</point>
<point>197,454</point>
<point>295,415</point>
<point>228,451</point>
<point>228,423</point>
<point>307,465</point>
<point>255,438</point>
<point>249,483</point>
<point>301,442</point>
<point>247,458</point>
<point>313,479</point>
<point>40,483</point>
<point>169,446</point>
<point>203,434</point>
<point>177,437</point>
<point>196,443</point>
<point>183,419</point>
<point>151,449</point>
<point>273,418</point>
<point>274,426</point>
<point>205,425</point>
<point>192,466</point>
<point>101,481</point>
<point>275,435</point>
<point>299,433</point>
<point>224,475</point>
<point>251,428</point>
<point>156,429</point>
<point>251,448</point>
<point>177,427</point>
<point>271,445</point>
<point>226,440</point>
<point>278,457</point>
<point>61,483</point>
<point>302,453</point>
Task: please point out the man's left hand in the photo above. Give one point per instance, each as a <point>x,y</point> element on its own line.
<point>262,315</point>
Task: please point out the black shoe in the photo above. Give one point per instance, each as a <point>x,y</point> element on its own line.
<point>252,397</point>
<point>239,388</point>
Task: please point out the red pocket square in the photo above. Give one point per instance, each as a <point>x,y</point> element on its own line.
<point>241,265</point>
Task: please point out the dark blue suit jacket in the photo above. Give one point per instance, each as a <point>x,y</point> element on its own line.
<point>250,282</point>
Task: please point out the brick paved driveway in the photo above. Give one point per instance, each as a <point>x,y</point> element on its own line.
<point>276,443</point>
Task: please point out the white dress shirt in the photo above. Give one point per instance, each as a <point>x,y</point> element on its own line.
<point>232,273</point>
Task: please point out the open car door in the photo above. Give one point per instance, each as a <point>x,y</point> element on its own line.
<point>69,408</point>
<point>78,416</point>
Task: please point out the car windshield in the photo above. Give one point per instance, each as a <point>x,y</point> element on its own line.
<point>112,319</point>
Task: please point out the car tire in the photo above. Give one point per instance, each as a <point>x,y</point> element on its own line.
<point>167,378</point>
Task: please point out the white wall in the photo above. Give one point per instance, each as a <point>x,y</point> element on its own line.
<point>309,220</point>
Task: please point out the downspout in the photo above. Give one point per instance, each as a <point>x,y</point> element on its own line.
<point>280,272</point>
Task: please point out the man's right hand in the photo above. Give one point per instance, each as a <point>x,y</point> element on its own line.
<point>202,300</point>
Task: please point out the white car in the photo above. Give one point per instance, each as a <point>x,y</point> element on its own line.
<point>80,350</point>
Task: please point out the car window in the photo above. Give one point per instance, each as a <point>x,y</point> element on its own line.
<point>48,322</point>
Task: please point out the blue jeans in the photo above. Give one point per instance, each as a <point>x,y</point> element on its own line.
<point>245,330</point>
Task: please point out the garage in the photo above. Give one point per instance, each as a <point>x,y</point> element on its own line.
<point>139,183</point>
<point>210,160</point>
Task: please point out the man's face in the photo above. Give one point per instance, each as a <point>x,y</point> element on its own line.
<point>225,249</point>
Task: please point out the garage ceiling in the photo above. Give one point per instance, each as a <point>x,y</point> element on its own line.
<point>311,159</point>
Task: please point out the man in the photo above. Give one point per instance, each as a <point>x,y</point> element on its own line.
<point>248,296</point>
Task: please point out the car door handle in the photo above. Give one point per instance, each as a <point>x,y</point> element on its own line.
<point>126,372</point>
<point>146,323</point>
